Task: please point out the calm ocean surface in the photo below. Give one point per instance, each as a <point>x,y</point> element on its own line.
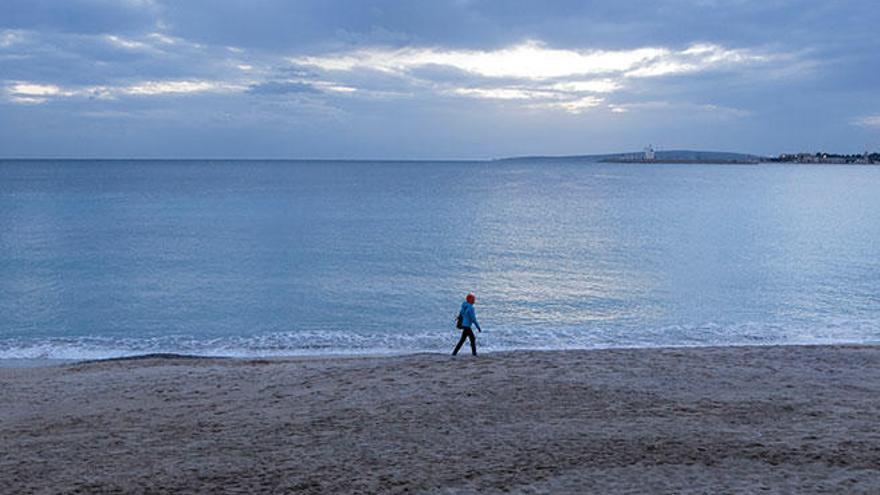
<point>111,258</point>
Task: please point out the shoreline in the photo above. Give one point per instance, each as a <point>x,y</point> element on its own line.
<point>686,420</point>
<point>12,363</point>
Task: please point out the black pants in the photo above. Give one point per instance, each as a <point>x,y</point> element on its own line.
<point>467,333</point>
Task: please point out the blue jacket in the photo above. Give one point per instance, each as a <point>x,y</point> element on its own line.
<point>469,316</point>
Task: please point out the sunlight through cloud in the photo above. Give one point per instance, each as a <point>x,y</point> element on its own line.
<point>33,93</point>
<point>533,60</point>
<point>566,79</point>
<point>529,60</point>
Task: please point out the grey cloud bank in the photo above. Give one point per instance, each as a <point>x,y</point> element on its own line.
<point>456,79</point>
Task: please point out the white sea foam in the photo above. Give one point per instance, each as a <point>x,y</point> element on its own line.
<point>313,343</point>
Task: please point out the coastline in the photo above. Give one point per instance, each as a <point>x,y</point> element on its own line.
<point>50,362</point>
<point>696,419</point>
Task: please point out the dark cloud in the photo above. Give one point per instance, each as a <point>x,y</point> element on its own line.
<point>307,25</point>
<point>79,16</point>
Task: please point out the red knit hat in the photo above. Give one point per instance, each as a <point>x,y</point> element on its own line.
<point>471,298</point>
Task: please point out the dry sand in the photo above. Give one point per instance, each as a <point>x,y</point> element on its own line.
<point>718,420</point>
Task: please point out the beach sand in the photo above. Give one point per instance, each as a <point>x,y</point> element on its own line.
<point>711,420</point>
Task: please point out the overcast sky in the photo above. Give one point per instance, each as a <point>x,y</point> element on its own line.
<point>435,79</point>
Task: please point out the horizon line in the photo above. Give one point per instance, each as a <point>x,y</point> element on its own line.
<point>398,159</point>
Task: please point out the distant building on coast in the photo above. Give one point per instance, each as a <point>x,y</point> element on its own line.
<point>649,153</point>
<point>829,158</point>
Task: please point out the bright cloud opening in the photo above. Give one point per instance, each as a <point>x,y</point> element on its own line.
<point>578,105</point>
<point>171,87</point>
<point>125,43</point>
<point>533,60</point>
<point>9,38</point>
<point>530,60</point>
<point>566,79</point>
<point>33,93</point>
<point>29,89</point>
<point>497,94</point>
<point>597,86</point>
<point>868,121</point>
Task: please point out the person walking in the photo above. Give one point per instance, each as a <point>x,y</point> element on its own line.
<point>468,317</point>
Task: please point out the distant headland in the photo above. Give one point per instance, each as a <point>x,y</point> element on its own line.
<point>649,155</point>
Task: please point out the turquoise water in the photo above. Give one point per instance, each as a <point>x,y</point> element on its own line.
<point>110,258</point>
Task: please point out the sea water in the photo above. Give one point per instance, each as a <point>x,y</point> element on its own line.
<point>264,258</point>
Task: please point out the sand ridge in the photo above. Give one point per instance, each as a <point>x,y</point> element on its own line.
<point>700,420</point>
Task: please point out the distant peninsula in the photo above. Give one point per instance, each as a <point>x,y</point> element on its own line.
<point>649,155</point>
